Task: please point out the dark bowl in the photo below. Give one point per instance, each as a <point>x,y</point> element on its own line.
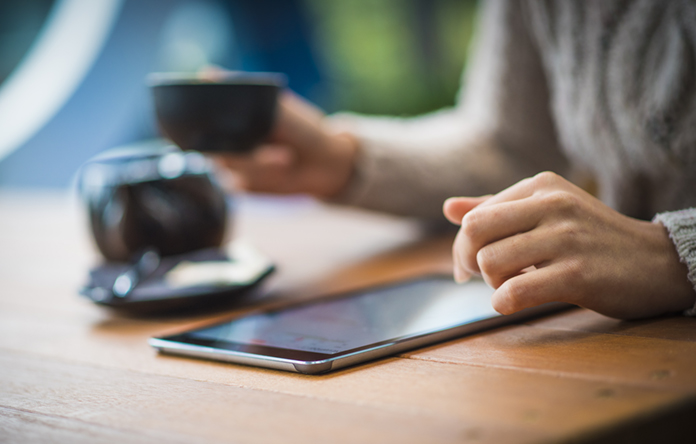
<point>234,113</point>
<point>161,198</point>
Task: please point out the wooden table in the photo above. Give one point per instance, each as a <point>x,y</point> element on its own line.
<point>74,372</point>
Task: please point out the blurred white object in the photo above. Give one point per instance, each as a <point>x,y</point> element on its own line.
<point>61,57</point>
<point>246,266</point>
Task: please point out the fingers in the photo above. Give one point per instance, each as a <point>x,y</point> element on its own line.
<point>295,104</point>
<point>527,241</point>
<point>517,209</point>
<point>273,157</point>
<point>299,124</point>
<point>455,208</point>
<point>509,257</point>
<point>487,224</point>
<point>212,73</point>
<point>531,289</point>
<point>300,155</point>
<point>266,169</point>
<point>233,162</point>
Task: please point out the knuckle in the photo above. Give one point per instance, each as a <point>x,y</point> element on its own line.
<point>515,291</point>
<point>576,275</point>
<point>560,201</point>
<point>568,234</point>
<point>511,294</point>
<point>488,260</point>
<point>571,237</point>
<point>462,253</point>
<point>472,223</point>
<point>546,178</point>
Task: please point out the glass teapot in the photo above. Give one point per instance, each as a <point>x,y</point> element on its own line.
<point>152,198</point>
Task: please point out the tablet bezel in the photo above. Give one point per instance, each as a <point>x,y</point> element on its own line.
<point>314,363</point>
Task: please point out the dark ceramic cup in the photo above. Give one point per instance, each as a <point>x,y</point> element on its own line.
<point>232,113</point>
<point>152,198</point>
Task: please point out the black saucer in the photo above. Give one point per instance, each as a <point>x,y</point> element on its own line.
<point>193,280</point>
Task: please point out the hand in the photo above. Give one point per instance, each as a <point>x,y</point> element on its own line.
<point>544,239</point>
<point>300,156</point>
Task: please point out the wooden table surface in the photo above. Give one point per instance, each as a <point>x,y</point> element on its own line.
<point>74,372</point>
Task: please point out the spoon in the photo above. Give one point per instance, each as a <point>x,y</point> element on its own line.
<point>126,282</point>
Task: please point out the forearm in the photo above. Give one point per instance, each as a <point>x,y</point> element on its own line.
<point>413,177</point>
<point>500,131</point>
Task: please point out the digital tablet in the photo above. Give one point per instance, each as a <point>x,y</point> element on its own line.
<point>328,334</point>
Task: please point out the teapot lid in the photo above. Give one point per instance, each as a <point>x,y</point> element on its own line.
<point>140,163</point>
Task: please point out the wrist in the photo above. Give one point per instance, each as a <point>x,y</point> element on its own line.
<point>679,293</point>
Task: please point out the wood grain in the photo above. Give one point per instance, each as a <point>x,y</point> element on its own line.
<point>593,356</point>
<point>21,426</point>
<point>413,401</point>
<point>676,327</point>
<point>186,409</point>
<point>474,393</point>
<point>74,372</point>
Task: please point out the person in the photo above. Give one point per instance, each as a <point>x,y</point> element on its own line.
<point>559,98</point>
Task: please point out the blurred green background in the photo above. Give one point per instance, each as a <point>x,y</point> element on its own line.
<point>386,57</point>
<point>401,57</point>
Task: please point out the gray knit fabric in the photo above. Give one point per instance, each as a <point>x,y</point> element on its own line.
<point>681,226</point>
<point>604,89</point>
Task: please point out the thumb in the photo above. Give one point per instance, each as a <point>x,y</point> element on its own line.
<point>456,207</point>
<point>298,122</point>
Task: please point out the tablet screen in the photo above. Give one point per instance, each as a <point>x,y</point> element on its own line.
<point>360,319</point>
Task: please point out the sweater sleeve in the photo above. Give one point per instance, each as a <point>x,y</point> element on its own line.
<point>681,226</point>
<point>500,131</point>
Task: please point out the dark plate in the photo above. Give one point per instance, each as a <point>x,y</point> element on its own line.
<point>161,292</point>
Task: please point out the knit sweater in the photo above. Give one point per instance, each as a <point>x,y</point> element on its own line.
<point>598,90</point>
